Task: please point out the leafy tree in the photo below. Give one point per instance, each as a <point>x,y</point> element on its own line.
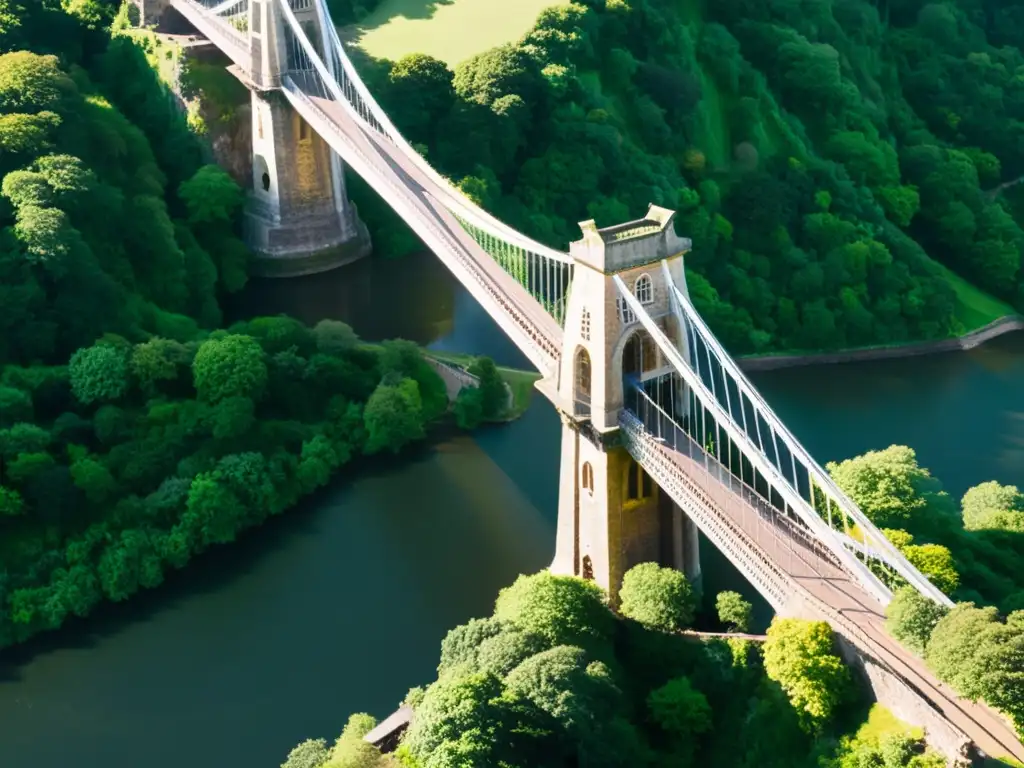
<point>32,83</point>
<point>493,392</point>
<point>470,721</point>
<point>733,611</point>
<point>312,753</point>
<point>798,656</point>
<point>936,562</point>
<point>99,373</point>
<point>505,651</point>
<point>231,366</point>
<point>561,682</point>
<point>660,598</point>
<point>211,196</point>
<point>155,361</point>
<point>890,487</point>
<point>502,71</point>
<point>393,417</point>
<point>469,408</point>
<point>679,709</point>
<point>563,610</point>
<point>15,406</point>
<point>952,648</point>
<point>422,93</point>
<point>11,503</point>
<point>232,417</point>
<point>94,479</point>
<point>461,645</point>
<point>993,506</point>
<point>911,617</point>
<point>27,135</point>
<point>403,359</point>
<point>23,438</point>
<point>334,337</point>
<point>350,750</point>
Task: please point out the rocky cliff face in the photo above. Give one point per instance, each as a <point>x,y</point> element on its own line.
<point>231,142</point>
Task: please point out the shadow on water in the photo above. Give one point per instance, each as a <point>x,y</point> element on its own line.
<point>215,570</point>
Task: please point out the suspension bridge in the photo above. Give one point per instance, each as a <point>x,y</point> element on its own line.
<point>647,394</point>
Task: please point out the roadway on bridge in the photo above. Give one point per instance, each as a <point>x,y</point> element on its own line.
<point>513,301</point>
<point>830,591</point>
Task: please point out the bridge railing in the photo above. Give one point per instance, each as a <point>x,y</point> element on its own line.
<point>728,433</point>
<point>221,23</point>
<point>668,432</point>
<point>544,271</point>
<point>312,78</point>
<point>370,110</point>
<point>812,490</point>
<point>761,553</point>
<point>542,350</point>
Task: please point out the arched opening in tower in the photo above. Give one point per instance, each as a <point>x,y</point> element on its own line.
<point>639,356</point>
<point>582,387</point>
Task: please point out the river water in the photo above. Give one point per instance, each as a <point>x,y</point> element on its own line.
<point>340,605</point>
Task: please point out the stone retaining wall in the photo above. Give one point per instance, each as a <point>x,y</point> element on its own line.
<point>967,341</point>
<point>909,706</point>
<point>454,377</point>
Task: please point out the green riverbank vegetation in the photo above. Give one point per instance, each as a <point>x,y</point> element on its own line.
<point>835,163</point>
<point>972,552</point>
<point>553,679</point>
<point>135,433</point>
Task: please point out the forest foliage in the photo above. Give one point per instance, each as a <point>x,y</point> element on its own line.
<point>523,687</point>
<point>821,154</point>
<point>972,553</point>
<point>135,433</point>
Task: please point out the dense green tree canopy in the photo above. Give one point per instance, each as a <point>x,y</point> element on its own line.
<point>231,366</point>
<point>660,598</point>
<point>799,655</point>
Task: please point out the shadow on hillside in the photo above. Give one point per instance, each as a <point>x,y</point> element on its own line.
<point>413,10</point>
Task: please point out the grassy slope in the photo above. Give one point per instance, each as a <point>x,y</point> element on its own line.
<point>450,30</point>
<point>881,723</point>
<point>975,308</point>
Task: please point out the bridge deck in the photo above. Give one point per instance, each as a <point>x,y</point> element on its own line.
<point>514,302</point>
<point>831,592</point>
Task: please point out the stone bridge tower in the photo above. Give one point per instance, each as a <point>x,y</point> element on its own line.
<point>611,515</point>
<point>299,219</point>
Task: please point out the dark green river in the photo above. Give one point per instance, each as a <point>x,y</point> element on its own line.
<point>340,605</point>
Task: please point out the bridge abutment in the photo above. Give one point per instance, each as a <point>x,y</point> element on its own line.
<point>611,514</point>
<point>299,220</point>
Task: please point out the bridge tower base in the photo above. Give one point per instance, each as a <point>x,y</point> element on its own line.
<point>299,220</point>
<point>611,515</point>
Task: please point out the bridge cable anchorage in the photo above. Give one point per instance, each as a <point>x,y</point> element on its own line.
<point>546,279</point>
<point>869,542</point>
<point>309,79</point>
<point>701,385</point>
